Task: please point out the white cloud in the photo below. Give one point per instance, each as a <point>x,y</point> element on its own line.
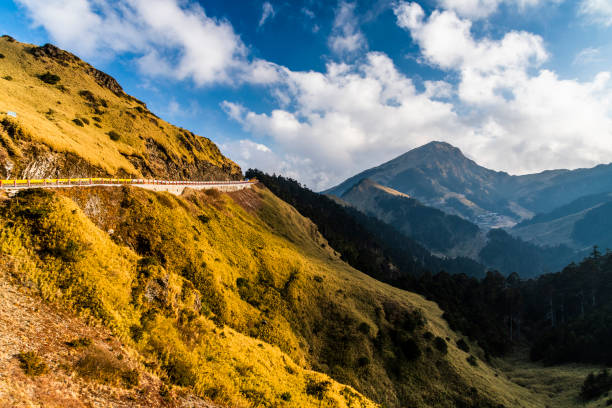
<point>477,9</point>
<point>349,118</point>
<point>346,36</point>
<point>524,118</point>
<point>588,56</point>
<point>515,115</point>
<point>599,11</point>
<point>167,38</point>
<point>266,13</point>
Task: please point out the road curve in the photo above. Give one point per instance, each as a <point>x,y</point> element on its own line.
<point>171,186</point>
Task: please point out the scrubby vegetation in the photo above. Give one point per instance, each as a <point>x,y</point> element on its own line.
<point>114,136</point>
<point>49,78</point>
<point>229,306</point>
<point>100,365</point>
<point>32,364</point>
<point>595,385</point>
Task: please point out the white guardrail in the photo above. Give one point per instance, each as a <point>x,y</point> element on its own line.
<point>91,181</point>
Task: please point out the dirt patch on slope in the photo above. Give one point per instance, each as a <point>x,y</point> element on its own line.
<point>28,324</point>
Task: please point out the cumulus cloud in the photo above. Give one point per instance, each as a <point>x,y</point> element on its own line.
<point>505,110</point>
<point>167,37</point>
<point>524,118</point>
<point>477,9</point>
<point>350,117</point>
<point>598,11</point>
<point>346,36</point>
<point>267,12</point>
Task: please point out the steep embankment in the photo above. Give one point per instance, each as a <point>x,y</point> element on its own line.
<point>237,298</point>
<point>76,121</point>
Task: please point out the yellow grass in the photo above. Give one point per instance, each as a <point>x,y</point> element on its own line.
<point>46,113</point>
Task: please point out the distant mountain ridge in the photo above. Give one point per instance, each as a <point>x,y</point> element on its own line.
<point>439,175</point>
<point>438,231</point>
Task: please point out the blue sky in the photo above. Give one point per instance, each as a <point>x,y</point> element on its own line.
<point>319,90</point>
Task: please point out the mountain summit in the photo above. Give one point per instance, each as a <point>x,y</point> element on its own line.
<point>439,175</point>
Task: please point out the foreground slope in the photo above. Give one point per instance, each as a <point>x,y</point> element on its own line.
<point>239,299</point>
<point>76,121</point>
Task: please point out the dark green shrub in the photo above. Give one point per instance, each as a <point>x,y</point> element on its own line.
<point>462,345</point>
<point>114,135</point>
<point>96,119</point>
<point>441,345</point>
<point>80,342</point>
<point>88,96</point>
<point>472,360</point>
<point>285,396</point>
<point>364,328</point>
<point>130,378</point>
<point>49,78</point>
<point>411,349</point>
<point>1,56</point>
<point>363,361</point>
<point>596,385</point>
<point>180,372</point>
<point>317,389</point>
<point>85,121</point>
<point>31,363</point>
<point>8,78</point>
<point>78,122</point>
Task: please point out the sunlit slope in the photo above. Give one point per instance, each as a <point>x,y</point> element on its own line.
<point>73,120</point>
<point>240,299</point>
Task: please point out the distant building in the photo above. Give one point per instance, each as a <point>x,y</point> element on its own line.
<point>13,114</point>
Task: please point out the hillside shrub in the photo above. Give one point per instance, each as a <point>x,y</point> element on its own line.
<point>472,361</point>
<point>441,345</point>
<point>596,385</point>
<point>1,56</point>
<point>101,365</point>
<point>87,95</point>
<point>31,363</point>
<point>114,135</point>
<point>317,389</point>
<point>49,78</point>
<point>80,342</point>
<point>7,77</point>
<point>78,122</point>
<point>462,345</point>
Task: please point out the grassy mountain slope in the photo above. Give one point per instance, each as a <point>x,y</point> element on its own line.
<point>62,348</point>
<point>73,120</point>
<point>239,299</point>
<point>440,232</point>
<point>580,224</point>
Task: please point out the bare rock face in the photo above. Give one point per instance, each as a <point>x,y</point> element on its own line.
<point>65,57</point>
<point>106,81</point>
